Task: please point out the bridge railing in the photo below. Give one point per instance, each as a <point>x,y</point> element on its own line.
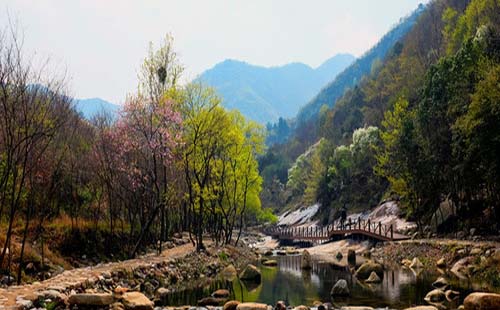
<point>326,232</point>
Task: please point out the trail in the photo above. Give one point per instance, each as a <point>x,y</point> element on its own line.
<point>75,277</point>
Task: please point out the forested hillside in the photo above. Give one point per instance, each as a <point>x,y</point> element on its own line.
<point>266,94</point>
<point>421,126</point>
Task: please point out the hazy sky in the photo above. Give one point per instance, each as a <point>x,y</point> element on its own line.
<point>101,43</point>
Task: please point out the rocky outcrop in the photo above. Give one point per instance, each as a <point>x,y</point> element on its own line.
<point>251,273</point>
<point>306,260</point>
<point>340,289</point>
<point>367,268</point>
<point>482,301</point>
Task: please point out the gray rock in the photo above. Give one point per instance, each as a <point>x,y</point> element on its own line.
<point>340,288</point>
<point>251,273</point>
<point>96,299</point>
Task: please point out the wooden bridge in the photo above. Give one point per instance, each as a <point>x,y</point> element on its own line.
<point>377,231</point>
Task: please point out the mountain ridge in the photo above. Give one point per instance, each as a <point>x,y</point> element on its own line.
<point>266,93</point>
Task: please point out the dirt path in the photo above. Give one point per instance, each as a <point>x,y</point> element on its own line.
<point>77,276</point>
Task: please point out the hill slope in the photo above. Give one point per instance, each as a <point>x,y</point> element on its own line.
<point>361,67</point>
<point>265,94</point>
<point>92,106</point>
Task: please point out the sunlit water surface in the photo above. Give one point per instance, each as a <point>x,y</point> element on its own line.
<point>399,289</point>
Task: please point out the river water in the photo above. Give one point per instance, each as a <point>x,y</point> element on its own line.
<point>399,289</point>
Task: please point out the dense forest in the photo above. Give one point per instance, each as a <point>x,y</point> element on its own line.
<point>174,160</point>
<point>420,126</point>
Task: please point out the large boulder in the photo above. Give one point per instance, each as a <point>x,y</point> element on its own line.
<point>340,288</point>
<point>136,301</point>
<point>231,305</point>
<point>367,268</point>
<point>446,212</point>
<point>251,306</point>
<point>306,260</point>
<point>482,301</point>
<point>96,299</point>
<point>373,278</point>
<point>435,296</point>
<point>250,273</point>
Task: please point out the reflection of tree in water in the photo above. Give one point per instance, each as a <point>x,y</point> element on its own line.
<point>288,282</point>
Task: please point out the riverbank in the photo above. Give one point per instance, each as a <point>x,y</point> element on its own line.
<point>178,267</point>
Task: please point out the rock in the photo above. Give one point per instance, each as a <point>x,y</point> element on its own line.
<point>461,235</point>
<point>476,251</point>
<point>451,295</point>
<point>24,303</point>
<point>462,252</point>
<point>436,295</point>
<point>367,268</point>
<point>301,307</point>
<point>270,263</point>
<point>96,299</point>
<point>440,283</point>
<point>482,301</point>
<point>231,305</point>
<point>136,301</point>
<point>461,267</point>
<point>351,256</point>
<point>211,301</point>
<point>229,273</point>
<point>281,253</point>
<point>268,253</point>
<point>251,306</point>
<point>472,232</point>
<point>162,292</point>
<point>441,263</point>
<point>340,288</point>
<point>339,256</point>
<point>406,262</point>
<point>54,295</point>
<point>306,261</point>
<point>444,213</point>
<point>356,308</point>
<point>422,308</point>
<point>221,293</point>
<point>280,305</point>
<point>322,307</point>
<point>292,251</point>
<point>251,273</point>
<point>416,263</point>
<point>373,278</point>
<point>116,306</point>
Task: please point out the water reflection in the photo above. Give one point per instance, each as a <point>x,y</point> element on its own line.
<point>399,289</point>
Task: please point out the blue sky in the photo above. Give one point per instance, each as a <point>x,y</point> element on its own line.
<point>101,43</point>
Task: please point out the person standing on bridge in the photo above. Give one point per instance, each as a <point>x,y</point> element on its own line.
<point>343,216</point>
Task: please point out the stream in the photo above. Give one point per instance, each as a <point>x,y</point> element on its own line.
<point>400,288</point>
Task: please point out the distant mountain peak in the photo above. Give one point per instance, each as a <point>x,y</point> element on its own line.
<point>266,93</point>
<point>91,107</point>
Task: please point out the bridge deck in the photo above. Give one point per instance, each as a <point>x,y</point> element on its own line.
<point>377,231</point>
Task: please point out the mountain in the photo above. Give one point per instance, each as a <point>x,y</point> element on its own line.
<point>265,94</point>
<point>92,106</point>
<point>361,67</point>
